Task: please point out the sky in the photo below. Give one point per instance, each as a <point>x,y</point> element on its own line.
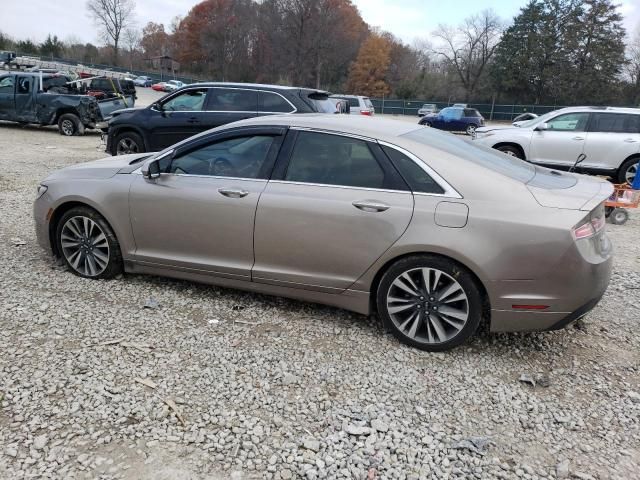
<point>407,19</point>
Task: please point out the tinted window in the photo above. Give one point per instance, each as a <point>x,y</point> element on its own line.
<point>6,85</point>
<point>334,160</point>
<point>242,157</point>
<point>272,102</point>
<point>471,112</point>
<point>615,123</point>
<point>189,101</point>
<point>414,175</point>
<point>232,100</point>
<point>487,157</point>
<point>569,122</point>
<point>321,103</point>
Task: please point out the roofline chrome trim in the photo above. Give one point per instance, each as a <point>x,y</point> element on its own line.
<point>257,111</point>
<point>333,132</point>
<point>449,191</point>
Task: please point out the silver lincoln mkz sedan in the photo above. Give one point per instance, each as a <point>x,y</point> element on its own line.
<point>371,215</point>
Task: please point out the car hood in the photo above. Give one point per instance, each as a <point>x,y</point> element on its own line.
<point>498,128</point>
<point>99,169</point>
<point>115,113</point>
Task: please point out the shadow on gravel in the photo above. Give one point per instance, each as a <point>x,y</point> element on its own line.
<point>53,129</point>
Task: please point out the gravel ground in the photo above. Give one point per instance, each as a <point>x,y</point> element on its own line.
<point>220,384</point>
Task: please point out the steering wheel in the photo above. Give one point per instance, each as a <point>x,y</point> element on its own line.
<point>221,167</point>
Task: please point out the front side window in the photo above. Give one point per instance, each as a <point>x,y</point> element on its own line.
<point>615,123</point>
<point>189,101</point>
<point>413,174</point>
<point>569,122</point>
<point>334,160</point>
<point>6,85</point>
<point>232,100</point>
<point>272,102</point>
<point>24,85</point>
<point>451,113</point>
<point>240,157</point>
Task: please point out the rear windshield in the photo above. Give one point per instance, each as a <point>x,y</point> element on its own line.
<point>511,167</point>
<point>368,103</point>
<point>320,103</point>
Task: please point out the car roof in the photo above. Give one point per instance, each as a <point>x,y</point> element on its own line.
<point>265,86</point>
<point>600,109</point>
<point>378,128</point>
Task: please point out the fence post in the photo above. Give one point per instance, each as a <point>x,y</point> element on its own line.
<point>493,104</point>
<point>383,103</point>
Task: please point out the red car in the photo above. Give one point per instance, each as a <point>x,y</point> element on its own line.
<point>159,87</point>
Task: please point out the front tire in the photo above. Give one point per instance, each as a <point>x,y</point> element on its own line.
<point>429,302</point>
<point>511,151</point>
<point>127,143</point>
<point>88,245</point>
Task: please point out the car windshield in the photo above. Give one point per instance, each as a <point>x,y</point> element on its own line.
<point>511,167</point>
<point>321,103</point>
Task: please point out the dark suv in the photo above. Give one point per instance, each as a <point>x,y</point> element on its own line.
<point>201,106</point>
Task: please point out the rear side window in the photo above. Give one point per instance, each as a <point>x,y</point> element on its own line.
<point>414,175</point>
<point>232,100</point>
<point>334,160</point>
<point>615,123</point>
<point>367,102</point>
<point>273,103</point>
<point>489,158</point>
<point>471,112</point>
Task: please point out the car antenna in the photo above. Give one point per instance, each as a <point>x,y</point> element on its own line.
<point>581,158</point>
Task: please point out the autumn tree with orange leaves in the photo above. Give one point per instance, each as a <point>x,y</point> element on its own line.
<point>368,74</point>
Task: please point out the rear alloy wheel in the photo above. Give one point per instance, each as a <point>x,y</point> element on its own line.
<point>471,129</point>
<point>88,245</point>
<point>628,171</point>
<point>429,302</point>
<point>511,151</point>
<point>68,124</point>
<point>127,143</point>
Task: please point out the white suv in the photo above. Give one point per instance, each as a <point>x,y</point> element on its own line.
<point>358,105</point>
<point>609,138</point>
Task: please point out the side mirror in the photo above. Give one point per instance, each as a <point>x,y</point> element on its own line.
<point>151,170</point>
<point>543,126</point>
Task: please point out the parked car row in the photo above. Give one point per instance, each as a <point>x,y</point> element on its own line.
<point>454,119</point>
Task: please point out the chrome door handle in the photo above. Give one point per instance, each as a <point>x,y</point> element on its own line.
<point>630,140</point>
<point>369,206</point>
<point>578,138</point>
<point>233,192</point>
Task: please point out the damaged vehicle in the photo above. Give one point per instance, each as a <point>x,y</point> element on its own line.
<point>23,100</point>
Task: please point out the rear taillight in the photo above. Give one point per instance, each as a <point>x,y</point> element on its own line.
<point>365,112</point>
<point>591,225</point>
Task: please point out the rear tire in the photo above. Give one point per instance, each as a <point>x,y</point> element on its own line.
<point>511,151</point>
<point>127,143</point>
<point>619,216</point>
<point>87,244</point>
<point>69,124</point>
<point>429,302</point>
<point>627,171</point>
<point>471,129</point>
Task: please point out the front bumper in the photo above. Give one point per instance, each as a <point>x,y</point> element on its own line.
<point>41,215</point>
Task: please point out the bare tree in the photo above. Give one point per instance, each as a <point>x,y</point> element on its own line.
<point>469,47</point>
<point>112,17</point>
<point>131,38</point>
<point>633,66</point>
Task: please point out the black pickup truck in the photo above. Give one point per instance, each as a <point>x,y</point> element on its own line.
<point>23,101</point>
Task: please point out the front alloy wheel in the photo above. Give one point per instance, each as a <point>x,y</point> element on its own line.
<point>429,302</point>
<point>88,245</point>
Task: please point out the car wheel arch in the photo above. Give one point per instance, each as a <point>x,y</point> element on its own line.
<point>63,208</point>
<point>373,288</point>
<point>133,129</point>
<point>511,144</point>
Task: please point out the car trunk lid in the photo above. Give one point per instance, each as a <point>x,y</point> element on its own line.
<point>555,189</point>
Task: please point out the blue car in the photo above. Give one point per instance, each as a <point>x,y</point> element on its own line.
<point>454,119</point>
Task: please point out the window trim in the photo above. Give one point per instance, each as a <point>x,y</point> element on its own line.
<point>449,191</point>
<point>281,96</point>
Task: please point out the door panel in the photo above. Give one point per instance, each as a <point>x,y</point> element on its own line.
<point>315,236</point>
<point>192,222</point>
<point>7,97</point>
<point>25,104</point>
<point>562,143</point>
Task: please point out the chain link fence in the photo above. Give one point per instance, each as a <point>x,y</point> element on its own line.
<point>490,111</point>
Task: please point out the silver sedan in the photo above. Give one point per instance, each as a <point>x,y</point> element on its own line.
<point>429,231</point>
